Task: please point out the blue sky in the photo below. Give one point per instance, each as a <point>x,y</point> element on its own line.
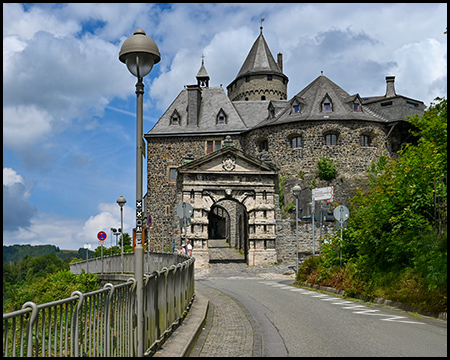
<point>69,128</point>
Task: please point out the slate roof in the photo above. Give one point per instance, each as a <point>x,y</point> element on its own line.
<point>259,59</point>
<point>310,100</point>
<point>213,100</point>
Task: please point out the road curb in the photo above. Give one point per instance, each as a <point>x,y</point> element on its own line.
<point>180,342</point>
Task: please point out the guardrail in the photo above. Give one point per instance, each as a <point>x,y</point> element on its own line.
<point>103,322</point>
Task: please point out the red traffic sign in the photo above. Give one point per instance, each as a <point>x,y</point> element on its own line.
<point>101,236</point>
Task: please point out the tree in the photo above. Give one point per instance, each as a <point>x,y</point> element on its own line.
<point>400,222</point>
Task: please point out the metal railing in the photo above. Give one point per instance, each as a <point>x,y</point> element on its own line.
<point>102,322</point>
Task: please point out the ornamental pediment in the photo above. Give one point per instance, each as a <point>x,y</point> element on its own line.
<point>228,160</point>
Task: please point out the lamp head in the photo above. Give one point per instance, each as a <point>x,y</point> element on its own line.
<point>121,201</point>
<point>139,52</point>
<point>296,190</point>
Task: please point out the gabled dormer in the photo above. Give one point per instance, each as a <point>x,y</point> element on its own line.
<point>221,118</point>
<point>326,105</point>
<point>175,118</point>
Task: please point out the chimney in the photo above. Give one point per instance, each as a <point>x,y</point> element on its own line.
<point>193,106</point>
<point>390,87</point>
<point>280,61</point>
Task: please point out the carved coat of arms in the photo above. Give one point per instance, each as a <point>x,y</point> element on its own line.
<point>229,162</point>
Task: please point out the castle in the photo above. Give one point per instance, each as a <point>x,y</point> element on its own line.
<point>235,156</point>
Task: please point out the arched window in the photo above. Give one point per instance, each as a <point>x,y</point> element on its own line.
<point>331,139</point>
<point>365,140</point>
<point>296,141</point>
<point>263,145</point>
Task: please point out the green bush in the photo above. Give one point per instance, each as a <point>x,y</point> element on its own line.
<point>327,169</point>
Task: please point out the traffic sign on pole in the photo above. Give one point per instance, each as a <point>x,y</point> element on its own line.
<point>325,193</point>
<point>101,236</point>
<point>341,213</point>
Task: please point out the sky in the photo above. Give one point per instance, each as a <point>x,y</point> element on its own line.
<point>69,104</point>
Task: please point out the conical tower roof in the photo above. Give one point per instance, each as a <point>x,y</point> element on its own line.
<point>259,59</point>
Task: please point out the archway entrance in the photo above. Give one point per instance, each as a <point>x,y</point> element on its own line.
<point>234,196</point>
<point>227,233</point>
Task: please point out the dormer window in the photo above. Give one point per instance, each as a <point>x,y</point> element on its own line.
<point>175,118</point>
<point>271,112</point>
<point>327,105</point>
<point>356,107</point>
<point>296,109</point>
<point>221,118</point>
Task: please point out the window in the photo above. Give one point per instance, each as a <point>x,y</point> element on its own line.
<point>271,113</point>
<point>263,145</point>
<point>296,109</point>
<point>356,107</point>
<point>213,145</point>
<point>412,104</point>
<point>331,139</point>
<point>263,97</point>
<point>296,142</point>
<point>365,140</point>
<point>326,106</point>
<point>172,174</point>
<point>175,118</point>
<point>269,77</point>
<point>221,118</point>
<point>247,78</point>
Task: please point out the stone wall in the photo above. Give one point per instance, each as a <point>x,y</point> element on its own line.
<point>295,164</point>
<point>258,86</point>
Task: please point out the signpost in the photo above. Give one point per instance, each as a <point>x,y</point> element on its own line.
<point>102,237</point>
<point>319,194</point>
<point>184,211</point>
<point>341,214</point>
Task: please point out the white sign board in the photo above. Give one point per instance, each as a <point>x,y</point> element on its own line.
<point>87,246</point>
<point>323,193</point>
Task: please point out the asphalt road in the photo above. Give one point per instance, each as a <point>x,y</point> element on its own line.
<point>300,322</point>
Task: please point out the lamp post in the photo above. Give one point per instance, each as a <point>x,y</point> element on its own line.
<point>121,201</point>
<point>139,52</point>
<point>296,190</point>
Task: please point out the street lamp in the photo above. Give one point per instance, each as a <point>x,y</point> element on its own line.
<point>296,190</point>
<point>121,201</point>
<point>139,52</point>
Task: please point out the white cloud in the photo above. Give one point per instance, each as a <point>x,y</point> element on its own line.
<point>24,126</point>
<point>70,233</point>
<point>425,63</point>
<point>17,210</point>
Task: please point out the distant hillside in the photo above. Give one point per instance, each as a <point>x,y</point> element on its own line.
<point>14,253</point>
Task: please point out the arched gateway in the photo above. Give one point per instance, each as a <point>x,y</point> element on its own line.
<point>229,185</point>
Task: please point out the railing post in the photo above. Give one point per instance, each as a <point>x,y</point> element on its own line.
<point>33,316</point>
<point>75,319</point>
<point>108,319</point>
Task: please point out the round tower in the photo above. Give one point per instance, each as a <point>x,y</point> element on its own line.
<point>260,77</point>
